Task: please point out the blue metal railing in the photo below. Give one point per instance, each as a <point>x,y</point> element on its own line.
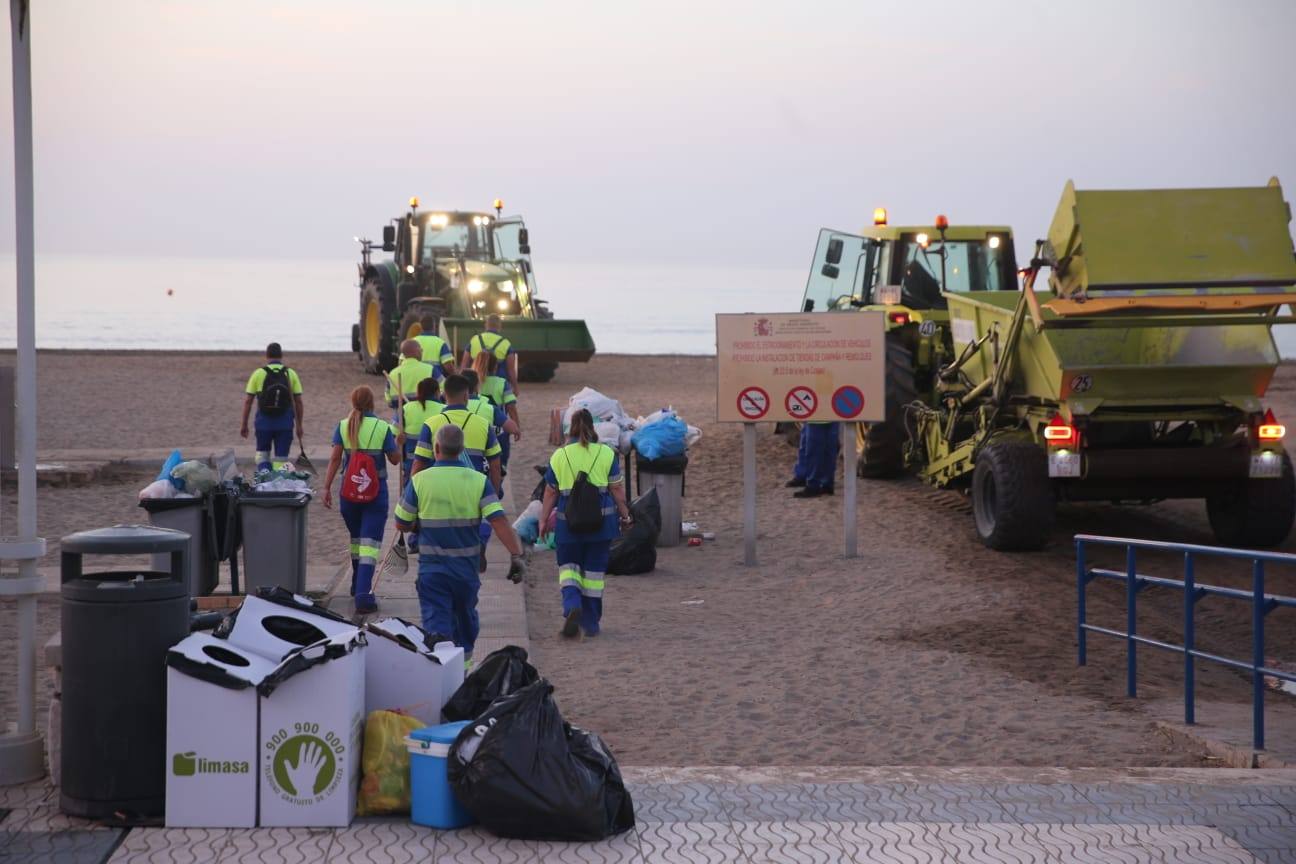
<point>1261,605</point>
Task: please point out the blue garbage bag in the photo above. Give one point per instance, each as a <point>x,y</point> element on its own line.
<point>172,461</point>
<point>664,438</point>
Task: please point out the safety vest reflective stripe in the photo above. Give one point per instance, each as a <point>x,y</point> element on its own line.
<point>451,523</point>
<point>455,552</point>
<point>596,460</point>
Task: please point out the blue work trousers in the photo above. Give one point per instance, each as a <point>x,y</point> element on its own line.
<point>365,523</point>
<point>448,603</point>
<point>276,438</point>
<point>582,571</point>
<point>817,454</point>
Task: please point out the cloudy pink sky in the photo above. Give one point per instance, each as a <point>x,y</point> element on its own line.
<point>682,131</point>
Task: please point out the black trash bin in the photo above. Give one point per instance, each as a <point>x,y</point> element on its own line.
<point>195,517</point>
<point>117,628</point>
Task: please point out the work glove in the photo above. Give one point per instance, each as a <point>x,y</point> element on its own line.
<point>517,569</point>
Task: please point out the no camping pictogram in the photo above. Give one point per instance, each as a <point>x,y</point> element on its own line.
<point>753,402</point>
<point>801,402</point>
<point>848,401</point>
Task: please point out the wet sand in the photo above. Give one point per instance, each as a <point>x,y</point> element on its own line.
<point>927,649</point>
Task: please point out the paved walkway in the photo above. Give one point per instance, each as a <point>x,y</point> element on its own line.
<point>775,815</point>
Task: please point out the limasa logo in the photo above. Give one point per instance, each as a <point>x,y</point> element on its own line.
<point>189,764</point>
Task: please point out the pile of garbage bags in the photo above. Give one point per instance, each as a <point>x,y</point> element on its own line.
<point>522,770</point>
<point>663,433</point>
<point>282,480</point>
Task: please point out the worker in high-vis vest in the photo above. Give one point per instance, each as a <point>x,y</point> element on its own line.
<point>362,443</point>
<point>449,500</point>
<point>277,392</point>
<point>492,341</point>
<point>414,414</point>
<point>435,349</point>
<point>481,447</point>
<point>402,381</point>
<point>583,556</point>
<point>500,421</point>
<point>499,392</point>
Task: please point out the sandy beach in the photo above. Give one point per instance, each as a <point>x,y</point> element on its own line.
<point>927,649</point>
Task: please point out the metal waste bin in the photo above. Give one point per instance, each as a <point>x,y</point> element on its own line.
<point>194,517</point>
<point>117,628</point>
<point>666,475</point>
<point>274,540</point>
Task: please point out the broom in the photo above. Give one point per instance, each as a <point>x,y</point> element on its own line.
<point>303,461</point>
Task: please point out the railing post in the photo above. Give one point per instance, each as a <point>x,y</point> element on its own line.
<point>1131,624</point>
<point>1257,652</point>
<point>1190,639</point>
<point>1080,603</point>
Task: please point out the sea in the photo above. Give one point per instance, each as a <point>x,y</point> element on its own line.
<point>106,302</point>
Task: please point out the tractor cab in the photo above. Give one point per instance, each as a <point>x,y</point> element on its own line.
<point>910,266</point>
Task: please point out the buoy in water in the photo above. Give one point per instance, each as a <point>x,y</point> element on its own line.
<point>170,292</point>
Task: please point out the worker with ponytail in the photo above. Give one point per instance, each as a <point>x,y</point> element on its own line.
<point>361,443</point>
<point>414,414</point>
<point>583,484</point>
<point>497,390</point>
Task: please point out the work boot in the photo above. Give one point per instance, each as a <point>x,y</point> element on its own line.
<point>812,492</point>
<point>795,483</point>
<point>571,624</point>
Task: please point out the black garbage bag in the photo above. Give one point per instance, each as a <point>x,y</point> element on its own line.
<point>635,551</point>
<point>524,772</point>
<point>502,672</point>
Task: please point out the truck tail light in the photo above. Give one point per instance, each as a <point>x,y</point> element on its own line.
<point>900,318</point>
<point>1059,433</point>
<point>1270,429</point>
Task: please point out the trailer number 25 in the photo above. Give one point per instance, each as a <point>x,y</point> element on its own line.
<point>1081,383</point>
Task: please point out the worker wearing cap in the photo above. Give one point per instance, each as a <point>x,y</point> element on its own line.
<point>277,416</point>
<point>435,349</point>
<point>816,464</point>
<point>402,382</point>
<point>493,341</point>
<point>449,501</point>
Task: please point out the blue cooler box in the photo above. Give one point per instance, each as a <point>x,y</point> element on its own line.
<point>431,801</point>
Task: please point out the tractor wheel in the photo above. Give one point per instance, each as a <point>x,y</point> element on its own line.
<point>377,311</point>
<point>881,445</point>
<point>411,323</point>
<point>1012,498</point>
<point>1257,512</point>
<point>355,338</point>
<point>537,371</point>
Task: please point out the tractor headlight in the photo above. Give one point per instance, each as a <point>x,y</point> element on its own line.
<point>476,286</point>
<point>480,304</point>
<point>409,268</point>
<point>507,288</point>
<point>503,305</point>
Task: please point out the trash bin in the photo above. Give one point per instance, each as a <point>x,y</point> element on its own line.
<point>117,628</point>
<point>194,517</point>
<point>273,527</point>
<point>666,475</point>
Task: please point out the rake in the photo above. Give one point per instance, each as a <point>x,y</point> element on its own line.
<point>303,461</point>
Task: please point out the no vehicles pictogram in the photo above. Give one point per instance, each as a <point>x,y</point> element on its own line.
<point>801,402</point>
<point>753,403</point>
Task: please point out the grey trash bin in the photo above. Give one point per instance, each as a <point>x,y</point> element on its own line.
<point>194,517</point>
<point>274,540</point>
<point>666,475</point>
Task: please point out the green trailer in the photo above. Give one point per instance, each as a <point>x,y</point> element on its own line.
<point>1138,377</point>
<point>454,268</point>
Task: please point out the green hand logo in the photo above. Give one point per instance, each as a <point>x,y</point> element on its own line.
<point>304,766</point>
<point>184,764</point>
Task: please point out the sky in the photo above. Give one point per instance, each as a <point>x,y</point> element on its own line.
<point>716,133</point>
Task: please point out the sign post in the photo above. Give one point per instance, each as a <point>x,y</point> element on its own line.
<point>801,368</point>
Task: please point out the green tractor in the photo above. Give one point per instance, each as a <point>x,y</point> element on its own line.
<point>459,267</point>
<point>906,272</point>
<point>1137,377</point>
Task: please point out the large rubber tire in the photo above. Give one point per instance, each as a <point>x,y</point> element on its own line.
<point>1257,512</point>
<point>1012,497</point>
<point>881,445</point>
<point>355,338</point>
<point>377,340</point>
<point>537,371</point>
<point>411,323</point>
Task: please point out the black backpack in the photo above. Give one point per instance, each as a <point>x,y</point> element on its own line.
<point>584,511</point>
<point>276,392</point>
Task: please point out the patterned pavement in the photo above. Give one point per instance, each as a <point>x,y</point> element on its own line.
<point>915,816</point>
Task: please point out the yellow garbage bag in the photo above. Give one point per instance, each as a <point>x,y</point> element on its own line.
<point>385,786</point>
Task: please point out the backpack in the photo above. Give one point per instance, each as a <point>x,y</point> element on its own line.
<point>276,392</point>
<point>584,510</point>
<point>360,481</point>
